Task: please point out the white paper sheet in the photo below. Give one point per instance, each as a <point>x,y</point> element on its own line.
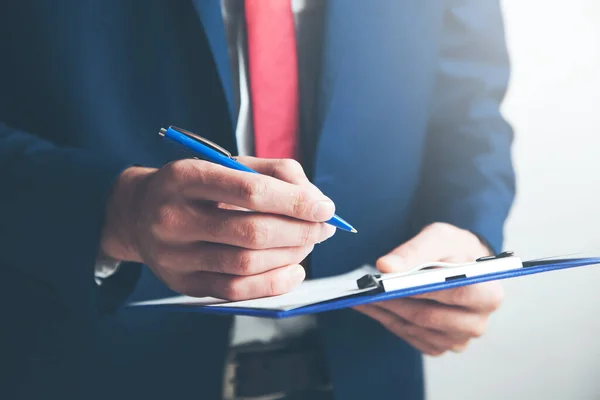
<point>308,292</point>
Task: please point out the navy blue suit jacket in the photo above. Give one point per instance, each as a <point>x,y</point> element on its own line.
<point>408,131</point>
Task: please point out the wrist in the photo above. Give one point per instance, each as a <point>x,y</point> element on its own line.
<point>118,239</point>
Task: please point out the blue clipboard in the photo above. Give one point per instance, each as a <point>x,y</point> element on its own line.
<point>376,294</point>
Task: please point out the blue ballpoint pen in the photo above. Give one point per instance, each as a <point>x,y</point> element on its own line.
<point>209,151</point>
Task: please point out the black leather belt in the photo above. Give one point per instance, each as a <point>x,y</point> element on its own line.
<point>293,369</point>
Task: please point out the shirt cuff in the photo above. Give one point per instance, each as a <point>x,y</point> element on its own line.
<point>105,268</point>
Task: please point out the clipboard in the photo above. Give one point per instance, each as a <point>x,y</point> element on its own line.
<point>365,285</point>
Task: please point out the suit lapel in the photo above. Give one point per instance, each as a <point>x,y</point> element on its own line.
<point>211,17</point>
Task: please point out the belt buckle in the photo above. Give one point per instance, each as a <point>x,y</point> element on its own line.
<point>230,383</point>
<point>235,389</point>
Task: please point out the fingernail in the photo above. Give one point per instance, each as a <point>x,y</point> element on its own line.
<point>392,263</point>
<point>323,210</point>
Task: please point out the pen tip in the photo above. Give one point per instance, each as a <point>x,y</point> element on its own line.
<point>354,230</point>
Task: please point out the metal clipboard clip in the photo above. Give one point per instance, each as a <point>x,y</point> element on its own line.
<point>439,272</point>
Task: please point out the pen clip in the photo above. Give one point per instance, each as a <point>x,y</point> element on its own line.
<point>200,139</point>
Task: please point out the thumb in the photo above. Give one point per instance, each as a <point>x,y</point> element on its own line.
<point>429,245</point>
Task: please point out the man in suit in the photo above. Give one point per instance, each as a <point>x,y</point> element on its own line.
<point>391,109</point>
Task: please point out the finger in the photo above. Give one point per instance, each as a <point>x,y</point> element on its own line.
<point>434,338</point>
<point>220,258</point>
<point>435,242</point>
<point>199,180</point>
<point>249,230</point>
<point>398,327</point>
<point>287,170</point>
<point>424,347</point>
<point>484,297</point>
<point>237,288</point>
<point>440,317</point>
<point>259,231</point>
<point>459,348</point>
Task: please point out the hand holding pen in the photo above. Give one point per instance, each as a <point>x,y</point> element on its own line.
<point>172,220</point>
<point>205,149</point>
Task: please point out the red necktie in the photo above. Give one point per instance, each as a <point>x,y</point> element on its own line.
<point>273,77</point>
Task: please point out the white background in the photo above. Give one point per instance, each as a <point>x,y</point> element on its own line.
<point>544,342</point>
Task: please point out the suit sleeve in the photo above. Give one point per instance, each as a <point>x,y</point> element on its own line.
<point>468,178</point>
<point>52,207</point>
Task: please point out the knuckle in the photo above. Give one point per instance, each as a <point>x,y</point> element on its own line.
<point>256,234</point>
<point>180,171</point>
<point>289,166</point>
<point>247,262</point>
<point>428,318</point>
<point>220,261</point>
<point>277,286</point>
<point>252,190</point>
<point>215,228</point>
<point>167,221</point>
<point>411,329</point>
<point>234,290</point>
<point>300,203</point>
<point>415,316</point>
<point>306,233</point>
<point>395,326</point>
